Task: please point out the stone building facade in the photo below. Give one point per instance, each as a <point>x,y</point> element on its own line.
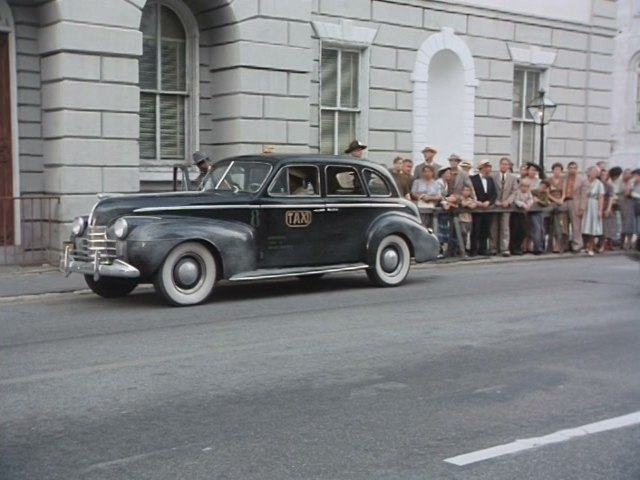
<point>106,95</point>
<point>626,101</point>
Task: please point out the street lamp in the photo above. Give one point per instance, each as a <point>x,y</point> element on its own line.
<point>541,110</point>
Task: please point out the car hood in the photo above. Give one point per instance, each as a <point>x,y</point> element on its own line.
<point>112,207</point>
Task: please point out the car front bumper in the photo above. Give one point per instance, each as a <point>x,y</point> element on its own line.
<point>117,268</point>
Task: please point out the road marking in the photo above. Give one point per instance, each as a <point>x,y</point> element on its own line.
<point>535,442</point>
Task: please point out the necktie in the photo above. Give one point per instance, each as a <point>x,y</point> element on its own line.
<point>502,188</point>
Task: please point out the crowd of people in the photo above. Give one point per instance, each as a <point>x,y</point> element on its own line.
<point>504,213</point>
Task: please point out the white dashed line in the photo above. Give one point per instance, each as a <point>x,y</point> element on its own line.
<point>557,437</point>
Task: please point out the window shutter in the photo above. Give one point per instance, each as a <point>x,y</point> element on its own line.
<point>147,125</point>
<point>172,126</point>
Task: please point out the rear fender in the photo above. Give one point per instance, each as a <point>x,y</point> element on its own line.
<point>424,245</point>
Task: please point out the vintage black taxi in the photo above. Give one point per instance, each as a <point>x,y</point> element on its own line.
<point>257,217</point>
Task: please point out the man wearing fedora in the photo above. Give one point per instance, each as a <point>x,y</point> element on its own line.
<point>356,149</point>
<point>429,155</point>
<point>506,184</point>
<point>486,195</point>
<point>203,163</point>
<point>459,178</point>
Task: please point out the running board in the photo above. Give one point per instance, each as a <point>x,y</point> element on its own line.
<point>268,273</point>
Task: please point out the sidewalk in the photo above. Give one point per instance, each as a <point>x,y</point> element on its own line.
<point>37,280</point>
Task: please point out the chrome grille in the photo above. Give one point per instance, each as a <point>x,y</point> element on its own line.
<point>95,240</point>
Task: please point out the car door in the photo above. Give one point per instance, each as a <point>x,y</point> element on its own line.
<point>291,230</point>
<point>355,198</point>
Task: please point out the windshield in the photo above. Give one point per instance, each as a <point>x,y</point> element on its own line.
<point>236,176</point>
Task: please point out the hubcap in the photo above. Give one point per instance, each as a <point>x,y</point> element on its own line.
<point>187,272</point>
<point>389,260</point>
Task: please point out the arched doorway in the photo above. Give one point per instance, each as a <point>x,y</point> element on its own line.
<point>444,84</point>
<point>445,103</point>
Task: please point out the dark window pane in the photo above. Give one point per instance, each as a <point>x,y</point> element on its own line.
<point>518,92</point>
<point>346,129</point>
<point>349,80</point>
<point>148,65</point>
<point>329,78</point>
<point>327,140</point>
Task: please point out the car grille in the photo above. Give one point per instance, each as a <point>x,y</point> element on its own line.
<point>95,240</point>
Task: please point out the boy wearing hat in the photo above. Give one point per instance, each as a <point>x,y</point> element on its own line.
<point>356,149</point>
<point>429,155</point>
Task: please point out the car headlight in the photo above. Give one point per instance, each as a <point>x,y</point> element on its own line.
<point>79,224</point>
<point>121,228</point>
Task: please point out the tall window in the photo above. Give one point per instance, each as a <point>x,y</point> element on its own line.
<point>339,94</point>
<point>164,88</point>
<point>526,84</point>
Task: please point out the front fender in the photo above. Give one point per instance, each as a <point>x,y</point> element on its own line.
<point>424,244</point>
<point>150,242</point>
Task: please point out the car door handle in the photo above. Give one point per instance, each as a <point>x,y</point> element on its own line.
<point>332,209</point>
<point>319,210</point>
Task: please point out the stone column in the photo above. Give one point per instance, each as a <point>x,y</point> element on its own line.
<point>90,102</point>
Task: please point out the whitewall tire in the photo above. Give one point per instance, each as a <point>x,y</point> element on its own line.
<point>392,262</point>
<point>187,276</point>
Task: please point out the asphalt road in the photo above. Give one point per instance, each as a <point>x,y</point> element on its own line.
<point>335,380</point>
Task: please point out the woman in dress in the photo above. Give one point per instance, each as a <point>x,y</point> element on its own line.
<point>426,191</point>
<point>627,211</point>
<point>558,228</point>
<point>608,215</point>
<point>592,209</point>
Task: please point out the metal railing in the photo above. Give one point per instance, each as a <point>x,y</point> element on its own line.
<point>26,230</point>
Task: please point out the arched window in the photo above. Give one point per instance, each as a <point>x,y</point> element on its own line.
<point>167,81</point>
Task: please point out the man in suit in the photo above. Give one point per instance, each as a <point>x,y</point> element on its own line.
<point>486,195</point>
<point>429,159</point>
<point>575,185</point>
<point>459,178</point>
<point>506,184</point>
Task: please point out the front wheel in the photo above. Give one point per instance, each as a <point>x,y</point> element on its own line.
<point>392,262</point>
<point>110,287</point>
<point>187,276</point>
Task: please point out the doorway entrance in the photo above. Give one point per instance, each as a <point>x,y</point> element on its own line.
<point>6,156</point>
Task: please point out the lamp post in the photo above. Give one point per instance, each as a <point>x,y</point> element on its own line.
<point>541,109</point>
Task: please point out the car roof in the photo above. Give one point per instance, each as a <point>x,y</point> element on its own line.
<point>315,158</point>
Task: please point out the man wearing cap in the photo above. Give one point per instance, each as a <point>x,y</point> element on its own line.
<point>429,155</point>
<point>506,184</point>
<point>200,160</point>
<point>356,149</point>
<point>486,195</point>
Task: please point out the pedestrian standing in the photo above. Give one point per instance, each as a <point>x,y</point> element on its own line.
<point>486,195</point>
<point>593,201</point>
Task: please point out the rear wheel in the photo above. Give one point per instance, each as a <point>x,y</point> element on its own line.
<point>392,262</point>
<point>110,287</point>
<point>187,276</point>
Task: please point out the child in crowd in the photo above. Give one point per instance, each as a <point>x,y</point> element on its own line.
<point>464,200</point>
<point>536,219</point>
<point>523,200</point>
